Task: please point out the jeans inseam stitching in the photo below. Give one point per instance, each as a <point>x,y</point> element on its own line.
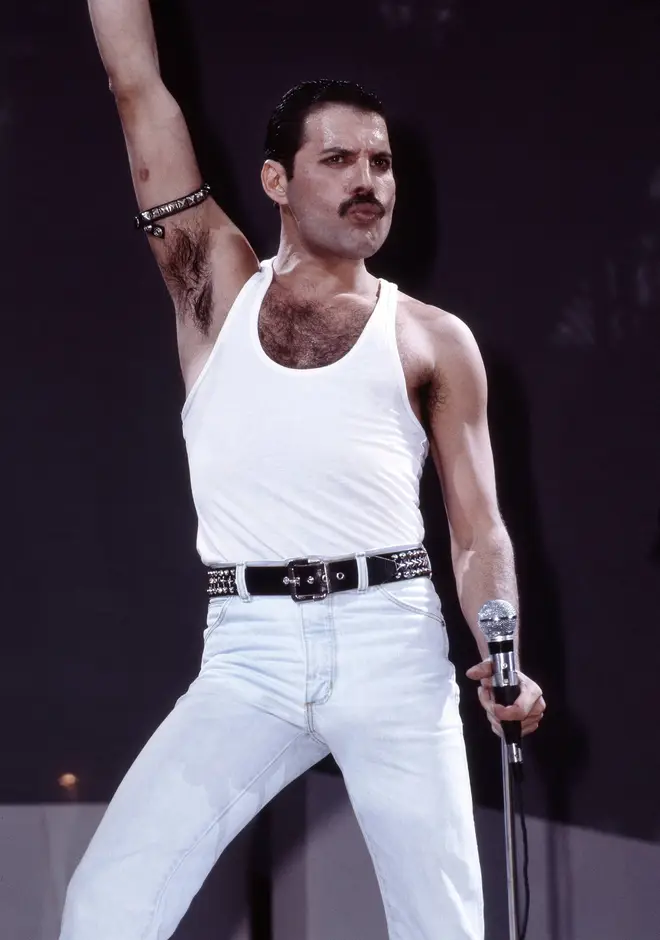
<point>215,821</point>
<point>382,881</point>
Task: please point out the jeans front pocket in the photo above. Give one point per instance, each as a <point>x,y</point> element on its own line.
<point>417,595</point>
<point>215,615</point>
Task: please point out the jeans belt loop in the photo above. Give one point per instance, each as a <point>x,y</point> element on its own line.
<point>363,572</point>
<point>241,586</point>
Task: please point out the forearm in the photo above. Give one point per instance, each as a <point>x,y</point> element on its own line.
<point>484,571</point>
<point>125,37</point>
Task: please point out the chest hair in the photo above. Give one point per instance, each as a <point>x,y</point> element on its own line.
<point>306,334</point>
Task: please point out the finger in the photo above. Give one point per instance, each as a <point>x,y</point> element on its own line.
<point>530,698</point>
<point>533,717</point>
<point>509,713</point>
<point>482,670</point>
<point>533,720</point>
<point>486,698</point>
<point>495,726</point>
<point>536,713</point>
<point>530,691</point>
<point>487,702</point>
<point>528,725</point>
<point>497,713</point>
<point>485,690</point>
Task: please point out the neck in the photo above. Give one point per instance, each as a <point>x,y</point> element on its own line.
<point>327,272</point>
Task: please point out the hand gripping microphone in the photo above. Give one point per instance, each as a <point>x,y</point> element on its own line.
<point>498,622</point>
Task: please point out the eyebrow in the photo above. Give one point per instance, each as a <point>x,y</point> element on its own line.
<point>344,152</point>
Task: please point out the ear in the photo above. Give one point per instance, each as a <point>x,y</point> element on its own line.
<point>274,182</point>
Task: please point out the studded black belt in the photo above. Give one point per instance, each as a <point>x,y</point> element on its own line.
<point>312,579</point>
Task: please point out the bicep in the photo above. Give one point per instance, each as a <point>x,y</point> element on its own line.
<point>460,441</point>
<point>164,168</point>
<point>160,151</point>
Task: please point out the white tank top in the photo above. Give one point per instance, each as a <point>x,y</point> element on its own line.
<point>295,463</point>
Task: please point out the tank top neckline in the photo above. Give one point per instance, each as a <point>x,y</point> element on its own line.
<point>367,329</point>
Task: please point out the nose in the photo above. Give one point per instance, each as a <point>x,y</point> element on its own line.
<point>363,178</point>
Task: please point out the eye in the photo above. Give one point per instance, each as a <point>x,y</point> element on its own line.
<point>335,158</point>
<point>383,163</point>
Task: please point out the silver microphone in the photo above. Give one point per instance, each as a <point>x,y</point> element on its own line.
<point>498,622</point>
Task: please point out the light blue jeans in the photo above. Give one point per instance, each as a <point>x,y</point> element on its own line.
<point>363,675</point>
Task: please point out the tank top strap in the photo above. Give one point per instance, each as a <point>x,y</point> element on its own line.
<point>389,300</point>
<point>381,328</point>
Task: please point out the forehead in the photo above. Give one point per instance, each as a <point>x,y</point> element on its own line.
<point>340,125</point>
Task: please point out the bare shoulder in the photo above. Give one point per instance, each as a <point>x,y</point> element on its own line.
<point>447,338</point>
<point>455,378</point>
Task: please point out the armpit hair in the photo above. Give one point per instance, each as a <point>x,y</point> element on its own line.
<point>436,396</point>
<point>187,272</point>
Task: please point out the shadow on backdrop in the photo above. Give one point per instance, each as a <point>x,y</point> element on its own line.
<point>409,255</point>
<point>560,751</point>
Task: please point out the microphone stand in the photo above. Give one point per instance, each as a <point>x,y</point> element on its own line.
<point>498,622</point>
<point>511,766</point>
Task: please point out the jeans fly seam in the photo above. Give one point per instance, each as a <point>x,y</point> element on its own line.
<point>311,730</point>
<point>330,633</point>
<point>309,717</point>
<point>208,829</point>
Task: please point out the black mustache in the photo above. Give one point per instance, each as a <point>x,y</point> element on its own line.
<point>361,201</point>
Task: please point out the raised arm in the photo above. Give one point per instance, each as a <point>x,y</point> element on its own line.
<point>203,257</point>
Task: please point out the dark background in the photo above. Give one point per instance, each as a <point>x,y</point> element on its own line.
<point>528,157</point>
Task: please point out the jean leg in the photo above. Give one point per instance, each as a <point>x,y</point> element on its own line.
<point>216,760</point>
<point>393,725</point>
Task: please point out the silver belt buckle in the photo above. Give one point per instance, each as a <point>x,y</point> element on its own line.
<point>307,573</point>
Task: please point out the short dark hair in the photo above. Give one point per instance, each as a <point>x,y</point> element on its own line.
<point>284,135</point>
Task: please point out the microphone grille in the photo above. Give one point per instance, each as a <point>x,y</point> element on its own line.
<point>497,618</point>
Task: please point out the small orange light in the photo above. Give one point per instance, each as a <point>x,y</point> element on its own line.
<point>68,781</point>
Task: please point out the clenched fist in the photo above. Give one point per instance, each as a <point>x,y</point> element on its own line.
<point>528,708</point>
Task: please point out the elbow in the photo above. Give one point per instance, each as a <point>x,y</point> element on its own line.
<point>491,537</point>
<point>148,97</point>
<point>126,93</point>
<point>133,85</point>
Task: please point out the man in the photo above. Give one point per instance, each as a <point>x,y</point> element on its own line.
<point>310,388</point>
